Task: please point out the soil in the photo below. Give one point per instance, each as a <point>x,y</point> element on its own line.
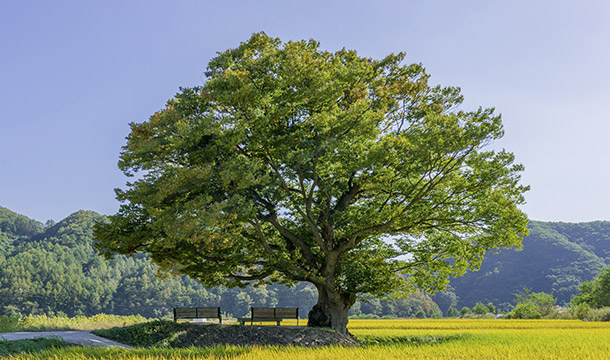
<point>208,335</point>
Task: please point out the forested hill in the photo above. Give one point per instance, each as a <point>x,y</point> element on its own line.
<point>50,268</point>
<point>53,269</point>
<point>556,258</point>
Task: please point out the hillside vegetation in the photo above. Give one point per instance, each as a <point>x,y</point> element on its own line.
<point>53,269</point>
<point>555,259</point>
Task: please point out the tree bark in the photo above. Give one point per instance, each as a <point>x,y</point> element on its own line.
<point>331,310</point>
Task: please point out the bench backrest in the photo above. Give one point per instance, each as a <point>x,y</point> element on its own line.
<point>275,313</point>
<point>197,313</point>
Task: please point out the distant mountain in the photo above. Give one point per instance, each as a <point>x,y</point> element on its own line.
<point>54,269</point>
<point>556,258</point>
<point>14,227</point>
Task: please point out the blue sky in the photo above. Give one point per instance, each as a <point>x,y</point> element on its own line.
<point>74,74</point>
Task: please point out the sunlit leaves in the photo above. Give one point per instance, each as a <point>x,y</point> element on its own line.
<point>295,163</point>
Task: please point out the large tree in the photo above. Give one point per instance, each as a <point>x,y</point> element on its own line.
<point>296,164</point>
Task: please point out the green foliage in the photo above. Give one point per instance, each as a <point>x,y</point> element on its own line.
<point>556,258</point>
<point>30,345</point>
<point>532,305</point>
<point>406,307</point>
<point>51,323</point>
<point>599,314</point>
<point>18,225</point>
<point>544,302</point>
<point>595,293</point>
<point>452,312</point>
<point>154,333</point>
<point>58,272</point>
<point>445,299</point>
<point>9,324</point>
<point>465,311</point>
<point>296,164</point>
<point>131,286</point>
<point>525,310</point>
<point>480,309</point>
<point>491,308</point>
<point>580,311</point>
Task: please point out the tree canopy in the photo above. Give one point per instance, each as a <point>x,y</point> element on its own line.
<point>296,164</point>
<point>595,293</point>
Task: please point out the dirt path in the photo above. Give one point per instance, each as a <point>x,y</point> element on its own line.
<point>78,337</point>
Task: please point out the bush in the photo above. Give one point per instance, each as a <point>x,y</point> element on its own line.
<point>364,316</point>
<point>153,333</point>
<point>29,345</point>
<point>465,310</point>
<point>580,311</point>
<point>525,310</point>
<point>596,292</point>
<point>559,313</point>
<point>492,308</point>
<point>453,312</point>
<point>480,309</point>
<point>601,314</point>
<point>9,323</point>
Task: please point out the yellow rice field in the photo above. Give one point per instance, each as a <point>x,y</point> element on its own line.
<point>409,339</point>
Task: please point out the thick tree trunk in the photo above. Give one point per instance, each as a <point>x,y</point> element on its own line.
<point>331,310</point>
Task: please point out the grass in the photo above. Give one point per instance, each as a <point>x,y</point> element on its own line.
<point>154,333</point>
<point>400,339</point>
<point>50,323</point>
<point>30,345</point>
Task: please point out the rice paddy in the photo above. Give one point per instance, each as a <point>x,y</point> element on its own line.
<point>403,339</point>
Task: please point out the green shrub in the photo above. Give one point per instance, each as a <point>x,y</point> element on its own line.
<point>9,323</point>
<point>492,308</point>
<point>601,314</point>
<point>480,309</point>
<point>29,345</point>
<point>525,310</point>
<point>465,310</point>
<point>559,313</point>
<point>153,333</point>
<point>453,312</point>
<point>596,292</point>
<point>580,311</point>
<point>364,316</point>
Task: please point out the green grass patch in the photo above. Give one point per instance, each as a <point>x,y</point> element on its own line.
<point>153,333</point>
<point>30,345</point>
<point>52,323</point>
<point>9,323</point>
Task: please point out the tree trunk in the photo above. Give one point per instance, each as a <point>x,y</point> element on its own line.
<point>331,310</point>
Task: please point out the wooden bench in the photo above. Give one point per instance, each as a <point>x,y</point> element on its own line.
<point>197,313</point>
<point>270,314</point>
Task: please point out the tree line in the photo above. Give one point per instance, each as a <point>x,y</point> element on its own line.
<point>53,269</point>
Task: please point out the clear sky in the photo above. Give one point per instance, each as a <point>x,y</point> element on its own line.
<point>74,74</point>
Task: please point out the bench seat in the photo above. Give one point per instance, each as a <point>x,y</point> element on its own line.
<point>261,314</point>
<point>197,313</point>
